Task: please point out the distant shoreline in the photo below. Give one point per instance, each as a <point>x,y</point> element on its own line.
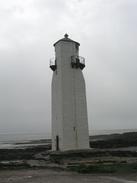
<point>13,138</point>
<point>116,140</point>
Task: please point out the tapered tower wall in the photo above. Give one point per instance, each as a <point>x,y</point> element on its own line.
<point>69,107</point>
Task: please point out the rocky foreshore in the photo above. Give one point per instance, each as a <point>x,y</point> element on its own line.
<point>108,153</point>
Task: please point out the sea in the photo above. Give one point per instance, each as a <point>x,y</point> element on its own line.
<point>9,139</point>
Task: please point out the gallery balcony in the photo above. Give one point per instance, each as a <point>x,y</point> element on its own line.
<point>53,65</point>
<point>78,62</point>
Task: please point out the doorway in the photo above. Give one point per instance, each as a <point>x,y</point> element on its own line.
<point>57,143</point>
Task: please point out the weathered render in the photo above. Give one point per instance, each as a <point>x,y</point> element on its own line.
<point>69,107</point>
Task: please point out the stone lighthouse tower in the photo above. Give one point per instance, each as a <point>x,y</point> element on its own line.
<point>69,107</point>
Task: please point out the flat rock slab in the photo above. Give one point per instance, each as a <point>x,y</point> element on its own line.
<point>49,176</point>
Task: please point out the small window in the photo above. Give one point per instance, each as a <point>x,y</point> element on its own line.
<point>77,47</point>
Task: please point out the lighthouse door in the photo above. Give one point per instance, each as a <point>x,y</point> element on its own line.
<point>57,143</point>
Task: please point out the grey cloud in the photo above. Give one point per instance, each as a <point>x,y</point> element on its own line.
<point>107,33</point>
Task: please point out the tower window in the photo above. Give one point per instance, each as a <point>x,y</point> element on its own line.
<point>77,47</point>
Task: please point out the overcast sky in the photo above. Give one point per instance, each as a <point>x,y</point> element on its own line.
<point>107,32</point>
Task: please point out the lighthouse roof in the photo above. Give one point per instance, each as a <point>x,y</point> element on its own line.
<point>66,39</point>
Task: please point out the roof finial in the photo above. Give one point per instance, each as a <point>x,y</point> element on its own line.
<point>66,36</point>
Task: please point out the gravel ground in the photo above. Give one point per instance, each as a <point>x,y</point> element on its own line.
<point>49,176</point>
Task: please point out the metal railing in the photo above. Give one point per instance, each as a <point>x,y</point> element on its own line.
<point>52,61</point>
<point>52,64</point>
<point>78,62</point>
<point>79,59</point>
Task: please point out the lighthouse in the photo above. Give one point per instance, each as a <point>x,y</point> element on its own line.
<point>69,106</point>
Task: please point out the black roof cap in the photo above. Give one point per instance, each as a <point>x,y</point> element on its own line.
<point>66,39</point>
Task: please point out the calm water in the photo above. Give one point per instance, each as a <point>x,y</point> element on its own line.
<point>7,138</point>
<point>23,137</point>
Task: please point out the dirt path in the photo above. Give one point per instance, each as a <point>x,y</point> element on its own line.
<point>49,176</point>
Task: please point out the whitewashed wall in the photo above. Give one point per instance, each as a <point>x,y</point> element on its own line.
<point>69,107</point>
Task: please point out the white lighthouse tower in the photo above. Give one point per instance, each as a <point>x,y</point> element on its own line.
<point>69,107</point>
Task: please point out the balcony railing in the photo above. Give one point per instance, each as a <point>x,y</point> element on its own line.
<point>52,64</point>
<point>77,62</point>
